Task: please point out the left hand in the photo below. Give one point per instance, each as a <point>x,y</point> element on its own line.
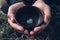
<point>11,20</point>
<point>46,10</point>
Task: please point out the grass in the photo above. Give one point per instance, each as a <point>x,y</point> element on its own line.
<point>8,33</point>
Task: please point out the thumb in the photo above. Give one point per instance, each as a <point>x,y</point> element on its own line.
<point>47,19</point>
<point>12,19</point>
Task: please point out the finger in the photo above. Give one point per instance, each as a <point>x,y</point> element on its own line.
<point>47,14</point>
<point>32,33</point>
<point>16,26</point>
<point>10,13</point>
<point>40,28</point>
<point>47,19</point>
<point>10,16</point>
<point>37,29</point>
<point>26,32</point>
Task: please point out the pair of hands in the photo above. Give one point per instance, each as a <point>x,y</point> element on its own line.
<point>41,5</point>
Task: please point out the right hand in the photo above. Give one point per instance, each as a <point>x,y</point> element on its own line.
<point>11,20</point>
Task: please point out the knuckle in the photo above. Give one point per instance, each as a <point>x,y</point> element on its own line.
<point>10,7</point>
<point>8,16</point>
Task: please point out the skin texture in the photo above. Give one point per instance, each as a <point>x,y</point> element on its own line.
<point>41,5</point>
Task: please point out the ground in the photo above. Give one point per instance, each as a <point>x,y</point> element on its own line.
<point>53,30</point>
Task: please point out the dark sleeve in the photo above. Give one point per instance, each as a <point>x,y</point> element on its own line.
<point>51,2</point>
<point>53,5</point>
<point>10,2</point>
<point>29,2</point>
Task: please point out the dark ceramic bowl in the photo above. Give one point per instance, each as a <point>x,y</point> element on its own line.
<point>29,17</point>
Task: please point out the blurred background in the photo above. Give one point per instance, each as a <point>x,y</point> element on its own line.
<point>52,32</point>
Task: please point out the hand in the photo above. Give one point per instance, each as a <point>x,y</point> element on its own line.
<point>46,10</point>
<point>11,19</point>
